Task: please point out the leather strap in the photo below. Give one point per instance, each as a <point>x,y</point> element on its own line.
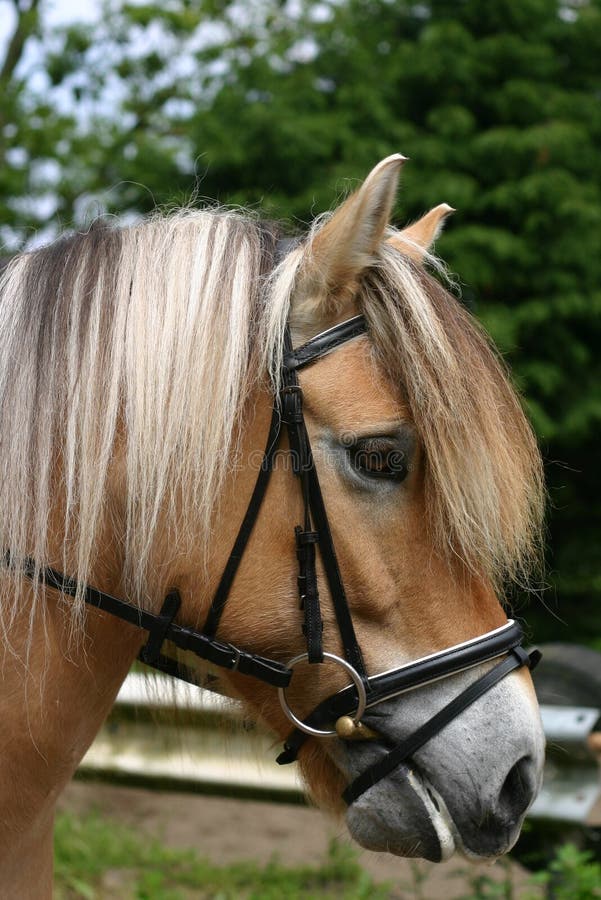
<point>307,538</point>
<point>308,592</point>
<point>229,573</point>
<point>405,678</point>
<point>220,653</point>
<point>301,448</point>
<point>324,343</point>
<point>151,650</point>
<point>403,751</point>
<point>342,611</point>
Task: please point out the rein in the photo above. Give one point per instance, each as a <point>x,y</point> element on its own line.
<point>345,708</point>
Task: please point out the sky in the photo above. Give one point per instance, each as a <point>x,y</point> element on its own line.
<point>55,12</point>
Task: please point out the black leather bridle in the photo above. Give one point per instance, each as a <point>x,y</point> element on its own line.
<point>365,690</point>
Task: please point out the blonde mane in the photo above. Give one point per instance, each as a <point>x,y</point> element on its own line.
<point>156,334</point>
<point>146,334</point>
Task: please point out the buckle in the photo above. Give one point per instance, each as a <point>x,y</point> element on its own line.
<point>292,404</point>
<point>161,625</point>
<point>223,648</point>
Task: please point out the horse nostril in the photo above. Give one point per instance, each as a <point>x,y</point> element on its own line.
<point>497,827</point>
<point>518,790</point>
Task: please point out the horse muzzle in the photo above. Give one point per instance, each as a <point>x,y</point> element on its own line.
<point>466,790</point>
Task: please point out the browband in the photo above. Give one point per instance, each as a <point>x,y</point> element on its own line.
<point>324,343</point>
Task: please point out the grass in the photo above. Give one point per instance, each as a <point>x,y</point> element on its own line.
<point>96,859</point>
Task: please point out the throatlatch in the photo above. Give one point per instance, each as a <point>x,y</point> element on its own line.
<point>339,714</point>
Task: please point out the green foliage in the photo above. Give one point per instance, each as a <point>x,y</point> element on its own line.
<point>276,105</point>
<point>92,852</point>
<point>96,857</point>
<point>485,887</point>
<point>573,875</point>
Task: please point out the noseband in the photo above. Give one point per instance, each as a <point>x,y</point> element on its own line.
<point>340,713</point>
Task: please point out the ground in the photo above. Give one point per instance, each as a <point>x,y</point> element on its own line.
<point>228,830</point>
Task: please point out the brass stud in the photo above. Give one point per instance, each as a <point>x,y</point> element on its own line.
<point>349,730</point>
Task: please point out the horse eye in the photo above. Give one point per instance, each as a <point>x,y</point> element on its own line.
<point>379,459</point>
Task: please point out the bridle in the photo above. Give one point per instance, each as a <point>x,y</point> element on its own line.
<point>344,709</point>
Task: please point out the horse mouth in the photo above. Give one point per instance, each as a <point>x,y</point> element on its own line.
<point>403,814</point>
<point>438,814</point>
<point>406,815</point>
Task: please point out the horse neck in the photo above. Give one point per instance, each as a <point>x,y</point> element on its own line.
<point>56,692</point>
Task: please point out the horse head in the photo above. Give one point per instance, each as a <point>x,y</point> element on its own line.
<point>431,482</point>
<point>402,477</point>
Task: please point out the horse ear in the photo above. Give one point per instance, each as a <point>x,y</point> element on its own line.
<point>343,247</point>
<point>416,239</point>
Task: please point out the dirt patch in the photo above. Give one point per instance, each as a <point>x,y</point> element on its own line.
<point>227,830</point>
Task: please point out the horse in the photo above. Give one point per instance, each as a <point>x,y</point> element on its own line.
<point>142,367</point>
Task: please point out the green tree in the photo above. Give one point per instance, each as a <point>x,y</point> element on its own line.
<point>91,114</point>
<point>25,131</point>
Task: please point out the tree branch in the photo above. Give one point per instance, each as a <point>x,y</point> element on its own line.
<point>27,20</point>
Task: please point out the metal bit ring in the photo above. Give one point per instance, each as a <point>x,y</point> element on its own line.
<point>356,679</point>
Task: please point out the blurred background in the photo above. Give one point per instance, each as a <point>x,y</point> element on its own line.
<point>109,107</point>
